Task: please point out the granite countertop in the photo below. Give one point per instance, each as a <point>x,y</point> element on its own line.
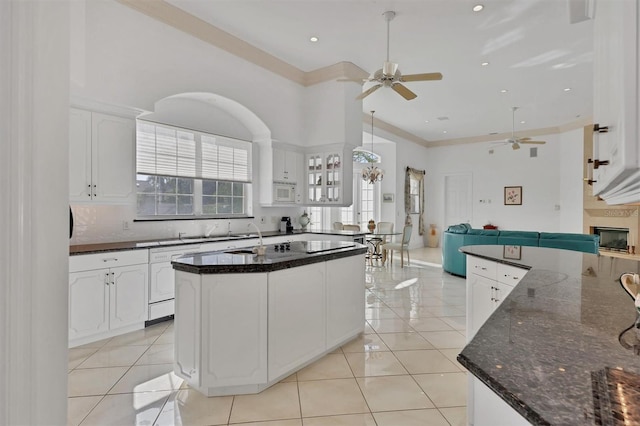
<point>168,242</point>
<point>551,349</point>
<point>243,261</point>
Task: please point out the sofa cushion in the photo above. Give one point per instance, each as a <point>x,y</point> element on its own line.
<point>458,229</point>
<point>580,242</point>
<point>518,238</point>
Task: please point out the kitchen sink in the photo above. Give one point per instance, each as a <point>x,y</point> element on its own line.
<point>246,251</point>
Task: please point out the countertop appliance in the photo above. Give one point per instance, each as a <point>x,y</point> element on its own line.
<point>285,224</point>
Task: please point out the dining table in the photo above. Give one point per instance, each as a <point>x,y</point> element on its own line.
<point>375,240</point>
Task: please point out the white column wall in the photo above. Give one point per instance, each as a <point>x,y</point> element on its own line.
<point>34,76</point>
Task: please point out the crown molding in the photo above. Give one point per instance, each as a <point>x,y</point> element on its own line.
<point>578,124</point>
<point>383,125</point>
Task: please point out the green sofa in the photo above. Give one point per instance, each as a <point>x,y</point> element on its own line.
<point>456,236</point>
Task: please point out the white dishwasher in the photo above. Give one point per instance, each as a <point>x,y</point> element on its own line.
<point>162,278</point>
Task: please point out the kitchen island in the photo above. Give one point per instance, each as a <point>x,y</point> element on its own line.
<point>551,350</point>
<point>244,322</point>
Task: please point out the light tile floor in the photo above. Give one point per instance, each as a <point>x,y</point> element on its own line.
<point>402,371</point>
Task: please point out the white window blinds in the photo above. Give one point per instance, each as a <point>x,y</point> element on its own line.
<point>168,151</point>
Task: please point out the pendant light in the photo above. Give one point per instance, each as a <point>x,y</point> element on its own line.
<point>371,173</point>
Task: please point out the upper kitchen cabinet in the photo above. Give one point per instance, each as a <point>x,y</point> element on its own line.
<point>286,165</point>
<point>101,157</point>
<point>329,172</point>
<point>281,182</point>
<point>615,164</point>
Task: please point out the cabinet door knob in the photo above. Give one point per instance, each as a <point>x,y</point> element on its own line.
<point>600,129</point>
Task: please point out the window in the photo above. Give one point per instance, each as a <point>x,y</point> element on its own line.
<point>361,156</point>
<point>187,173</point>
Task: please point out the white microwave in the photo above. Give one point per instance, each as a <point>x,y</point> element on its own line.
<point>284,192</point>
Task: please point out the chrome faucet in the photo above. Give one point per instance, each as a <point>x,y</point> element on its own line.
<point>260,250</point>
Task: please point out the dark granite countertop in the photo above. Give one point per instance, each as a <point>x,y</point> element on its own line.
<point>551,349</point>
<point>243,261</point>
<point>168,242</point>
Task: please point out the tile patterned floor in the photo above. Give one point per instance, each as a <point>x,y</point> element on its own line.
<point>401,371</point>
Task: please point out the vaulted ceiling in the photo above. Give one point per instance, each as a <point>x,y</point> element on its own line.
<point>534,55</point>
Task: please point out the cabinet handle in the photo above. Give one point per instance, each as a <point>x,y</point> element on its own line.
<point>106,279</point>
<point>597,163</point>
<point>600,129</point>
<point>114,259</point>
<point>113,278</point>
<point>484,269</point>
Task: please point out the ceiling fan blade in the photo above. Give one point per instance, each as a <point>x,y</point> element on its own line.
<point>422,77</point>
<point>369,91</point>
<point>515,145</point>
<point>403,91</point>
<point>533,142</point>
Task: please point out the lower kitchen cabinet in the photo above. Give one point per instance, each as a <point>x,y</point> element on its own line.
<point>488,284</point>
<point>107,301</point>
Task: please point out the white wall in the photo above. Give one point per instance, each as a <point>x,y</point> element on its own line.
<point>552,179</point>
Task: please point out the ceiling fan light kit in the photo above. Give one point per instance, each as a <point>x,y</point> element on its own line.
<point>390,76</point>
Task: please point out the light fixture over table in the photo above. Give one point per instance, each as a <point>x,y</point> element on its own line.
<point>371,173</point>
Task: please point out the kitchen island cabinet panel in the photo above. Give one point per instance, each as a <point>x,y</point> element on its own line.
<point>297,317</point>
<point>345,300</point>
<point>234,329</point>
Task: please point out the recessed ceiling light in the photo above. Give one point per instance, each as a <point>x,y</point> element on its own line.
<point>504,91</point>
<point>426,121</point>
<point>522,122</point>
<point>313,39</point>
<point>567,89</point>
<point>484,64</point>
<point>478,8</point>
<point>444,131</point>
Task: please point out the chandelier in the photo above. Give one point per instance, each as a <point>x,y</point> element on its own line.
<point>371,173</point>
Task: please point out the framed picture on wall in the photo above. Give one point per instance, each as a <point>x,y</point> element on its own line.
<point>387,198</point>
<point>512,195</point>
<point>512,252</point>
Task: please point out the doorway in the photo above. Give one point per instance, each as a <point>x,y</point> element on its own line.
<point>457,199</point>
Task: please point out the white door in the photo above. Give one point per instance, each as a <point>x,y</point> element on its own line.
<point>366,203</point>
<point>457,199</point>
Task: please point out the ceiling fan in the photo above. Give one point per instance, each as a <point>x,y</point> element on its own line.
<point>513,140</point>
<point>390,76</point>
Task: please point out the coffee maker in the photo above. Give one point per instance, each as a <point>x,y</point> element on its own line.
<point>285,225</point>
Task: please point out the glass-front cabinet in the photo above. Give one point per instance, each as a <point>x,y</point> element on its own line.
<point>325,177</point>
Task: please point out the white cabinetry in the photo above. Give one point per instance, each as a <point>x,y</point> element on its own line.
<point>223,330</point>
<point>107,294</point>
<point>616,75</point>
<point>345,304</point>
<point>329,176</point>
<point>488,284</point>
<point>241,333</point>
<point>101,157</point>
<point>286,165</point>
<point>491,410</point>
<point>297,317</point>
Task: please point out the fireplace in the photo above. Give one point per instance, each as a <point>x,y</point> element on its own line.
<point>612,239</point>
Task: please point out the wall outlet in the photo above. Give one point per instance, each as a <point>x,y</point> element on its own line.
<point>125,225</point>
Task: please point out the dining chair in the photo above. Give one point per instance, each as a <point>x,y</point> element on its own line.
<point>337,226</point>
<point>351,227</point>
<point>403,245</point>
<point>384,228</point>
